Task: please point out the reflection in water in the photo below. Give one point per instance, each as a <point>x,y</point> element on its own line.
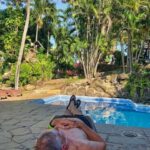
<point>108,112</point>
<point>107,115</point>
<point>116,113</point>
<point>100,112</point>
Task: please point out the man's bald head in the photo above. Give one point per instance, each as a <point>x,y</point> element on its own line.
<point>49,141</point>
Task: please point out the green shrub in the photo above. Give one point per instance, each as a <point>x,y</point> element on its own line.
<point>33,71</point>
<point>0,78</point>
<point>139,80</point>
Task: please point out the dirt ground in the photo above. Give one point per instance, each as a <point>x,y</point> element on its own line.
<point>44,89</point>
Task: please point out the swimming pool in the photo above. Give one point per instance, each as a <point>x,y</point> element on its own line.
<point>108,110</point>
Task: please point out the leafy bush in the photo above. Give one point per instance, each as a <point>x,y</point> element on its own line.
<point>137,84</point>
<point>33,71</point>
<point>0,78</point>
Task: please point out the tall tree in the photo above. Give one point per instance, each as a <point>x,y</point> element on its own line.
<point>40,7</point>
<point>22,44</point>
<point>129,18</point>
<point>93,23</point>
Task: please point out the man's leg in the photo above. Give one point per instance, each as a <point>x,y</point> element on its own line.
<point>67,112</point>
<point>75,111</point>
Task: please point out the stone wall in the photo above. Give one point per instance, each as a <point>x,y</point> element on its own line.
<point>104,86</point>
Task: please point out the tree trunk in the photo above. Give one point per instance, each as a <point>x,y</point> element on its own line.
<point>48,38</point>
<point>22,45</point>
<point>122,56</point>
<point>97,63</point>
<point>37,31</point>
<point>129,52</point>
<point>141,48</point>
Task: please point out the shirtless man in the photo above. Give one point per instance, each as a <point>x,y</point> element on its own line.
<point>72,131</point>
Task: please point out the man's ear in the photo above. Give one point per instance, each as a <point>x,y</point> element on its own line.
<point>64,147</point>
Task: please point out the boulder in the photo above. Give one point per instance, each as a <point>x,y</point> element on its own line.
<point>100,94</point>
<point>97,83</point>
<point>106,87</point>
<point>90,92</point>
<point>6,75</point>
<point>147,67</point>
<point>99,89</point>
<point>70,90</point>
<point>81,91</point>
<point>31,56</point>
<point>14,92</point>
<point>3,94</point>
<point>29,87</point>
<point>123,76</point>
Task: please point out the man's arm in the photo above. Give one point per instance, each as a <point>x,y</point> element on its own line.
<point>74,123</point>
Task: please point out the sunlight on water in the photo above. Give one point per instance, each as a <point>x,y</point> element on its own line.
<point>120,117</point>
<point>113,111</point>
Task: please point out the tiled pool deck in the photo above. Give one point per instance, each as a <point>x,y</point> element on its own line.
<point>22,121</point>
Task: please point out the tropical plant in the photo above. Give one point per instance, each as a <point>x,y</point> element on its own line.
<point>92,25</point>
<point>130,23</point>
<point>30,72</point>
<point>138,84</point>
<point>11,24</point>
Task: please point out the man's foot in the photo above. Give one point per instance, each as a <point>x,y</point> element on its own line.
<point>78,102</point>
<point>74,110</point>
<point>72,101</point>
<point>73,106</point>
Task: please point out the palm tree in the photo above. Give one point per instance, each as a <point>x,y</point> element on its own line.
<point>129,19</point>
<point>45,15</point>
<point>39,11</point>
<point>93,24</point>
<point>22,44</point>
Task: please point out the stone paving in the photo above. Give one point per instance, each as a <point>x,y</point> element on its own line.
<point>21,122</point>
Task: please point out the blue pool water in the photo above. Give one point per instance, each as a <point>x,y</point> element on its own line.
<point>121,117</point>
<point>108,110</point>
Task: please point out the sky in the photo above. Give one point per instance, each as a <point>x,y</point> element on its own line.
<point>59,4</point>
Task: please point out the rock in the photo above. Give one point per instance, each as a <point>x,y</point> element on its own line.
<point>3,94</point>
<point>147,67</point>
<point>6,75</point>
<point>70,90</point>
<point>111,91</point>
<point>97,83</point>
<point>98,89</point>
<point>97,75</point>
<point>123,76</point>
<point>81,91</point>
<point>106,87</point>
<point>108,77</point>
<point>63,91</point>
<point>90,92</point>
<point>86,83</point>
<point>123,83</point>
<point>31,56</point>
<point>106,95</point>
<point>14,92</point>
<point>99,94</point>
<point>29,87</point>
<point>114,78</point>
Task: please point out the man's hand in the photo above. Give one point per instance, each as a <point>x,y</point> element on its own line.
<point>65,123</point>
